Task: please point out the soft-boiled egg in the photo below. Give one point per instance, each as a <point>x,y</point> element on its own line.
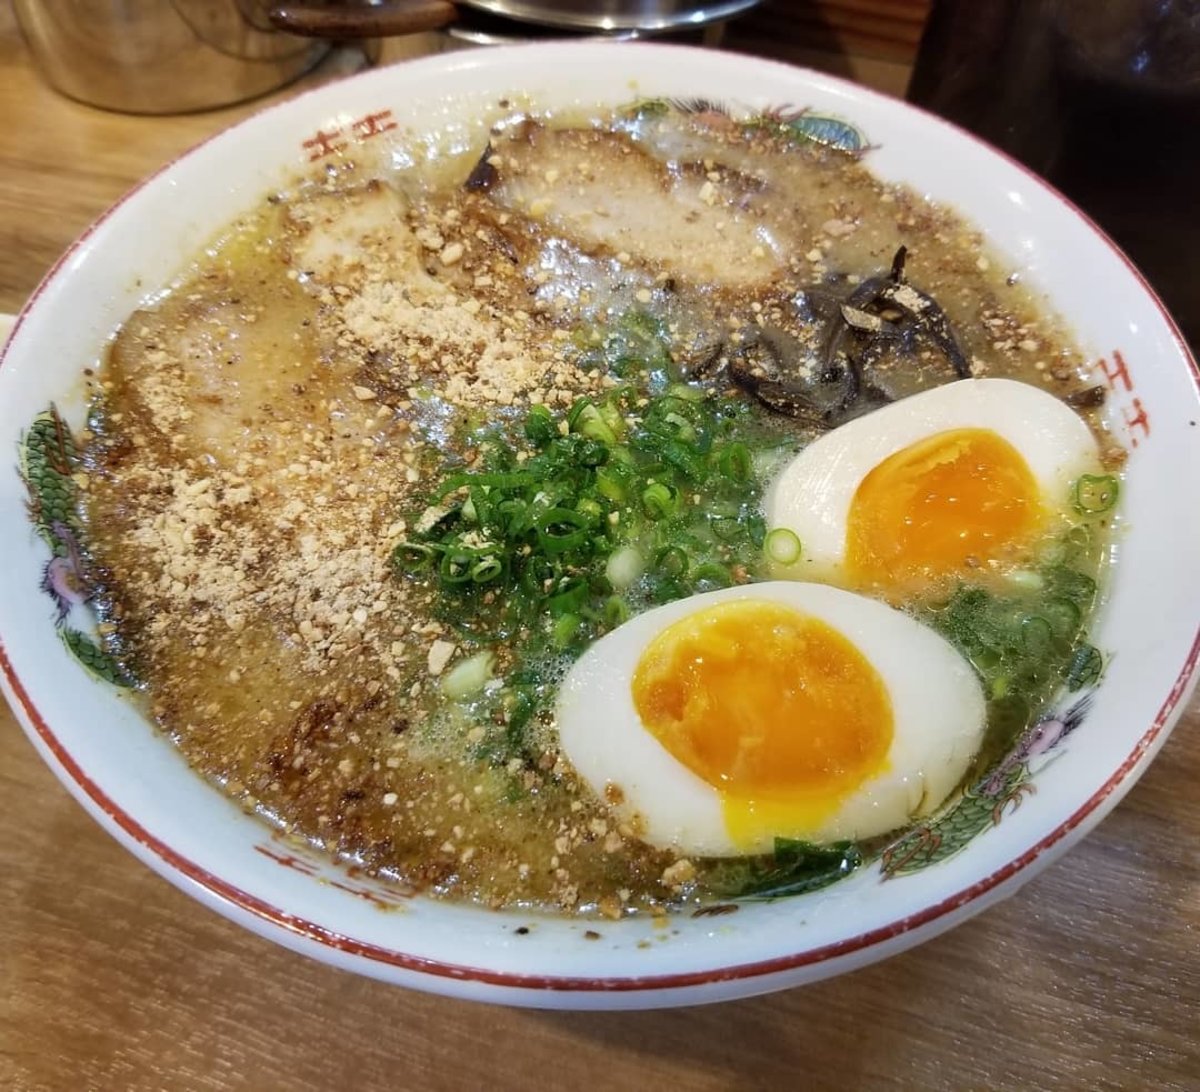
<point>964,477</point>
<point>716,723</point>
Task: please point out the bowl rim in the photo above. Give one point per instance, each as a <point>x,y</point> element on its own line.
<point>228,899</point>
<point>230,896</point>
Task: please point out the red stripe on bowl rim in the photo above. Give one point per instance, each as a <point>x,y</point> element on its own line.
<point>280,919</point>
<point>312,931</point>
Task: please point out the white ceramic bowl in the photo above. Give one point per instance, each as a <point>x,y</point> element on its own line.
<point>139,789</point>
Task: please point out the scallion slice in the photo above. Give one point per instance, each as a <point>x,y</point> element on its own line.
<point>1037,635</point>
<point>467,677</point>
<point>782,546</point>
<point>686,393</point>
<point>725,528</point>
<point>413,557</point>
<point>487,569</point>
<point>734,462</point>
<point>561,529</point>
<point>565,628</point>
<point>539,426</point>
<point>624,567</point>
<point>569,599</point>
<point>1096,493</point>
<point>586,419</point>
<point>511,480</point>
<point>1063,615</point>
<point>671,561</point>
<point>712,572</point>
<point>616,610</point>
<point>659,500</point>
<point>455,566</point>
<point>591,510</point>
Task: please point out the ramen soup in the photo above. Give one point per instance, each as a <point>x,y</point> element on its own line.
<point>646,510</point>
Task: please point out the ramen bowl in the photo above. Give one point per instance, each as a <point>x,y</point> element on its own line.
<point>136,785</point>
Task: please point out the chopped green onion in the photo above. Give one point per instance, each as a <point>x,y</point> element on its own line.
<point>712,572</point>
<point>515,516</point>
<point>733,461</point>
<point>591,453</point>
<point>1037,635</point>
<point>667,589</point>
<point>483,498</point>
<point>586,419</point>
<point>725,528</point>
<point>986,659</point>
<point>683,456</point>
<point>538,575</point>
<point>568,600</point>
<point>611,413</point>
<point>455,567</point>
<point>467,677</point>
<point>610,485</point>
<point>561,529</point>
<point>576,412</point>
<point>1095,493</point>
<point>1079,540</point>
<point>514,480</point>
<point>1063,615</point>
<point>539,426</point>
<point>413,557</point>
<point>684,429</point>
<point>591,510</point>
<point>616,610</point>
<point>486,569</point>
<point>561,534</point>
<point>671,561</point>
<point>659,500</point>
<point>565,628</point>
<point>782,546</point>
<point>686,393</point>
<point>624,567</point>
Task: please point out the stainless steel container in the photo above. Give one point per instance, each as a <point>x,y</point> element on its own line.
<point>162,56</point>
<point>378,18</point>
<point>174,56</point>
<point>604,15</point>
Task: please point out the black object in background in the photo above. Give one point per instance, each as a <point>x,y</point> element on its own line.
<point>1100,97</point>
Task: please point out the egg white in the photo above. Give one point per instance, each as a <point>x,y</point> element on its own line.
<point>937,703</point>
<point>812,495</point>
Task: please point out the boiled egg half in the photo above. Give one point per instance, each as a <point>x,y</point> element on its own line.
<point>716,723</point>
<point>963,479</point>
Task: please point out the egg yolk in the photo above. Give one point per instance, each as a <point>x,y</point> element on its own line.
<point>952,501</point>
<point>775,709</point>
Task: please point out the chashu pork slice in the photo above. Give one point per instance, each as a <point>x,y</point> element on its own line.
<point>604,193</point>
<point>344,236</point>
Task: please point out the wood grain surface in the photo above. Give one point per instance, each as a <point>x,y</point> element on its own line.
<point>110,978</point>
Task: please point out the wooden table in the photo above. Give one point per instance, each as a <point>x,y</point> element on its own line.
<point>1088,978</point>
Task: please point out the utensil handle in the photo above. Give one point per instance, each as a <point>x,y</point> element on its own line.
<point>317,20</point>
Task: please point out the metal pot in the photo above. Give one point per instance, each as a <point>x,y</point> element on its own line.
<point>374,18</point>
<point>162,56</point>
<point>175,56</point>
<point>605,15</point>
